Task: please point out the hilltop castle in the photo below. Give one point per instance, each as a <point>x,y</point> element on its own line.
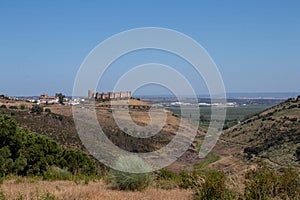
<point>109,95</point>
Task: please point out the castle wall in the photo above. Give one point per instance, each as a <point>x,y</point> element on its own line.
<point>109,96</point>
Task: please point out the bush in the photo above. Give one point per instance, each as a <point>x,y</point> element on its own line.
<point>47,110</point>
<point>25,153</point>
<point>251,150</point>
<point>124,180</point>
<point>266,183</point>
<point>260,183</point>
<point>212,186</point>
<point>6,163</point>
<point>3,106</point>
<point>289,183</point>
<point>188,180</point>
<point>37,109</point>
<point>56,173</point>
<point>77,162</point>
<point>39,152</point>
<point>165,174</point>
<point>167,179</point>
<point>13,107</point>
<point>22,107</point>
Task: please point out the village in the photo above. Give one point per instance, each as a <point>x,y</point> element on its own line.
<point>59,98</point>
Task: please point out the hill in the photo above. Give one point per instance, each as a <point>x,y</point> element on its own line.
<point>58,124</point>
<point>272,135</point>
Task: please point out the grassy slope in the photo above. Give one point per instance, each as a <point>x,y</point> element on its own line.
<point>273,135</point>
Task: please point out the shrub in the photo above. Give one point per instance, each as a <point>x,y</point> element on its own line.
<point>251,150</point>
<point>56,173</point>
<point>3,106</point>
<point>260,183</point>
<point>25,153</point>
<point>40,152</point>
<point>166,174</point>
<point>6,163</point>
<point>124,180</point>
<point>289,183</point>
<point>13,107</point>
<point>266,183</point>
<point>167,179</point>
<point>212,186</point>
<point>77,162</point>
<point>22,107</point>
<point>167,184</point>
<point>37,109</point>
<point>188,180</point>
<point>47,110</point>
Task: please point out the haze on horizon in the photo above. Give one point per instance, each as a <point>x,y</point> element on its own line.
<point>255,44</point>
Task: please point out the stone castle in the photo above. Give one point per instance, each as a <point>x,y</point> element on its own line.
<point>109,95</point>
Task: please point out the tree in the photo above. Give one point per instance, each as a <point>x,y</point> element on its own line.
<point>37,109</point>
<point>40,153</point>
<point>60,97</point>
<point>25,153</point>
<point>77,162</point>
<point>6,162</point>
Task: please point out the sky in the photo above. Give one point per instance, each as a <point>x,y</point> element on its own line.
<point>255,44</point>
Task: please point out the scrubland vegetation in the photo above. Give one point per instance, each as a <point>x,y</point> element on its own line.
<point>34,166</point>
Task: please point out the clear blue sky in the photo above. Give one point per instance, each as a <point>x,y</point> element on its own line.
<point>255,44</point>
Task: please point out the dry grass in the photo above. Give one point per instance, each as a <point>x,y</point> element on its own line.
<point>60,109</point>
<point>93,190</point>
<point>16,103</point>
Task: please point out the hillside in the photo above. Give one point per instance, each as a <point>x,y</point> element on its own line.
<point>59,125</point>
<point>273,135</point>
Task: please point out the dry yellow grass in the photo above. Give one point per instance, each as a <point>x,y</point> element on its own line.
<point>93,190</point>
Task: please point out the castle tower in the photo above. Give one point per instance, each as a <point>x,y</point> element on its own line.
<point>128,94</point>
<point>90,94</point>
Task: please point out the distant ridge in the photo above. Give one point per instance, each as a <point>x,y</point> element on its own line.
<point>235,95</point>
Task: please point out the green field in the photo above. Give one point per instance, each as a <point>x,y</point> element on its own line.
<point>233,114</point>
